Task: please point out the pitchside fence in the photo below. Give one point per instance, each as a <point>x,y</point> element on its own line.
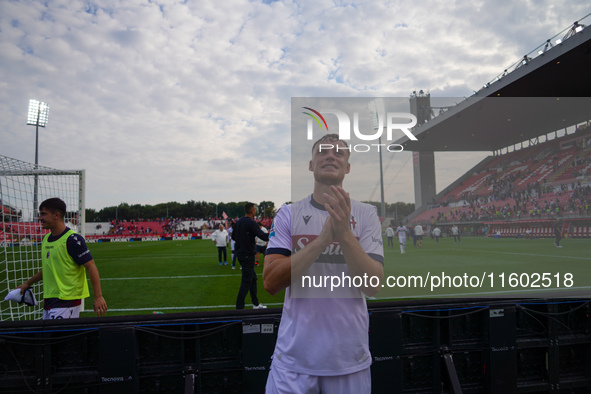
<point>23,186</point>
<point>468,346</point>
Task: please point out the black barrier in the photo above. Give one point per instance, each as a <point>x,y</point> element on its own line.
<point>469,346</point>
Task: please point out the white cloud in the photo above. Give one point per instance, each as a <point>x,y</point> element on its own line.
<point>171,100</point>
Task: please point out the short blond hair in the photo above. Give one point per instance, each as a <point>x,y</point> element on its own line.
<point>329,138</point>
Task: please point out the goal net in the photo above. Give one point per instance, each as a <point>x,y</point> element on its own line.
<point>23,186</point>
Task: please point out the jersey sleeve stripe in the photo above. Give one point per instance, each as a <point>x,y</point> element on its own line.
<point>281,251</point>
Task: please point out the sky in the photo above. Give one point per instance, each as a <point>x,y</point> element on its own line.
<point>165,101</point>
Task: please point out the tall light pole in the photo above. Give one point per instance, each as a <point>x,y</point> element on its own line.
<point>38,116</point>
<point>376,108</point>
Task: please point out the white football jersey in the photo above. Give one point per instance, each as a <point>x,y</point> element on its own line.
<point>402,230</point>
<point>323,332</point>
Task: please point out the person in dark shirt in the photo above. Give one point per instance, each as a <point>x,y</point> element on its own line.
<point>244,234</point>
<point>557,233</point>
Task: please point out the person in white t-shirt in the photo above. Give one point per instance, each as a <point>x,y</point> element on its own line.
<point>72,223</point>
<point>261,245</point>
<point>232,246</point>
<point>455,231</point>
<point>323,342</point>
<point>419,235</point>
<point>437,234</point>
<point>390,236</point>
<point>220,239</point>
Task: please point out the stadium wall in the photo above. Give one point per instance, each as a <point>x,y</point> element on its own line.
<point>472,346</point>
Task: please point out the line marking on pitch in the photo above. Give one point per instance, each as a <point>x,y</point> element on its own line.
<point>515,293</point>
<point>528,254</point>
<point>177,308</point>
<point>173,277</point>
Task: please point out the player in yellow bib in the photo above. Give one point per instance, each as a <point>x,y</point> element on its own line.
<point>65,262</point>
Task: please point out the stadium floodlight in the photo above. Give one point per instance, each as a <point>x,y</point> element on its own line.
<point>38,113</point>
<point>558,42</point>
<point>38,116</point>
<point>576,28</point>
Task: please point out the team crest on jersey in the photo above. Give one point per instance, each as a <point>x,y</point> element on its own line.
<point>306,219</point>
<point>353,223</point>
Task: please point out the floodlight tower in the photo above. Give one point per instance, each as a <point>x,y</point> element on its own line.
<point>376,108</point>
<point>38,116</point>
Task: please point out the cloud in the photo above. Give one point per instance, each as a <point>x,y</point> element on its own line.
<point>178,101</point>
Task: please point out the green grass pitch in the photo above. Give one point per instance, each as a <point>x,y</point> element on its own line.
<point>184,276</point>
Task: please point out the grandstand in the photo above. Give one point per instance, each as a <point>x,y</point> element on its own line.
<point>540,167</point>
<point>544,181</point>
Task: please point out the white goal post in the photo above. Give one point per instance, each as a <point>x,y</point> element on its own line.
<point>23,186</point>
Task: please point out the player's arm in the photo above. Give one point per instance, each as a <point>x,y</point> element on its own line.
<point>276,273</point>
<point>100,305</point>
<point>281,266</point>
<point>279,269</point>
<point>79,252</point>
<point>358,261</point>
<point>32,280</point>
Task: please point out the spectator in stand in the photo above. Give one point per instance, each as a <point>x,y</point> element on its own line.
<point>220,239</point>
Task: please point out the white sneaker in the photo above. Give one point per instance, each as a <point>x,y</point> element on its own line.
<point>259,306</point>
<point>233,267</point>
<point>559,246</point>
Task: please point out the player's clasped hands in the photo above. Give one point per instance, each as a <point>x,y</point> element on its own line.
<point>339,208</point>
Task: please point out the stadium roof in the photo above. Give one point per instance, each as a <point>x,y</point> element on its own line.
<point>542,95</point>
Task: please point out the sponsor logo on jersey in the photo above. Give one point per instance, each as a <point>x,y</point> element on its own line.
<point>306,219</point>
<point>332,254</point>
